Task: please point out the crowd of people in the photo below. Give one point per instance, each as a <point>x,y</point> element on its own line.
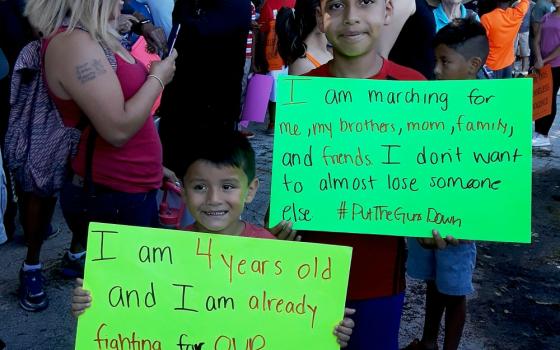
<point>121,157</point>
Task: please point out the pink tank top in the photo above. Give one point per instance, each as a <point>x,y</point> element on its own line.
<point>133,168</point>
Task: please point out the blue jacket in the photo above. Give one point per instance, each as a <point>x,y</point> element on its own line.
<point>441,17</point>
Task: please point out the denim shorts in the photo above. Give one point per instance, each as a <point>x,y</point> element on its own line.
<point>377,323</point>
<point>451,268</point>
<point>108,206</point>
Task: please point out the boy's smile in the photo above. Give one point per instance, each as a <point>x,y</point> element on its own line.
<point>216,196</point>
<point>353,26</point>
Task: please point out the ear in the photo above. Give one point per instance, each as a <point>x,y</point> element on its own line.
<point>388,11</point>
<point>475,63</point>
<point>319,18</point>
<point>252,190</point>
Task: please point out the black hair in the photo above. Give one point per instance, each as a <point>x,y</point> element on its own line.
<point>485,6</point>
<point>466,36</point>
<point>293,27</point>
<point>224,148</point>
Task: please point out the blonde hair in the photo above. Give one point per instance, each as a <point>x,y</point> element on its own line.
<point>93,15</point>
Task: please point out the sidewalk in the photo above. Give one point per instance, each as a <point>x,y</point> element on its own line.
<point>55,327</point>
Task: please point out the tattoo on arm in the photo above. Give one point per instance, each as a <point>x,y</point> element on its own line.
<point>90,70</point>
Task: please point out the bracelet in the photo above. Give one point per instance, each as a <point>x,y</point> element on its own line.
<point>158,79</point>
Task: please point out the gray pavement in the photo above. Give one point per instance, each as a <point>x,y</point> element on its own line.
<point>54,328</point>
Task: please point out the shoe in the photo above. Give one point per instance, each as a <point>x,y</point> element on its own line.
<point>73,268</point>
<point>248,134</point>
<point>32,297</point>
<point>539,140</point>
<point>417,345</point>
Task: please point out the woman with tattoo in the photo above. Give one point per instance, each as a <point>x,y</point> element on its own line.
<point>97,84</point>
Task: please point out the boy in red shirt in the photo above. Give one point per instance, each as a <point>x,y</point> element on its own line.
<point>219,179</point>
<point>376,286</point>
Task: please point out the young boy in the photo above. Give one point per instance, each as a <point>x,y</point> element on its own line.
<point>461,49</point>
<point>376,286</point>
<point>219,179</point>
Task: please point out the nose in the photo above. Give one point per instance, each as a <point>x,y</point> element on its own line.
<point>213,196</point>
<point>437,69</point>
<point>351,15</point>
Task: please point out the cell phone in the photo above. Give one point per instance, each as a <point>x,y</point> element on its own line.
<point>172,39</point>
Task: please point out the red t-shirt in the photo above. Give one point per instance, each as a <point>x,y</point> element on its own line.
<point>250,230</point>
<point>135,167</point>
<point>378,262</point>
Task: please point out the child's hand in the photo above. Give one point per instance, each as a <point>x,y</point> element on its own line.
<point>343,330</point>
<point>284,231</point>
<point>437,242</point>
<point>81,298</point>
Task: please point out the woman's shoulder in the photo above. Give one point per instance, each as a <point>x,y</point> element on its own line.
<point>73,43</point>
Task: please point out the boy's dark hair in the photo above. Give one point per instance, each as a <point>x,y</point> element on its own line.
<point>293,27</point>
<point>225,148</point>
<point>466,36</point>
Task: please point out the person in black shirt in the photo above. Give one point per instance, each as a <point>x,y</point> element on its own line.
<point>205,93</point>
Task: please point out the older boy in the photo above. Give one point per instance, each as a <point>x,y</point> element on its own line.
<point>376,287</point>
<point>461,50</point>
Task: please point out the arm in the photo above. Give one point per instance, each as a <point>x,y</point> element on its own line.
<point>537,45</point>
<point>520,9</point>
<point>77,69</point>
<point>552,56</point>
<point>155,36</point>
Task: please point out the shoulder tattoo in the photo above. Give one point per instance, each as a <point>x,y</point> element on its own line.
<point>89,71</point>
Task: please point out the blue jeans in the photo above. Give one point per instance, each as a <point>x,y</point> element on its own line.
<point>377,323</point>
<point>504,73</point>
<point>108,206</point>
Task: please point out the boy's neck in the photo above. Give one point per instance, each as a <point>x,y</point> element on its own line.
<point>365,66</point>
<point>235,230</point>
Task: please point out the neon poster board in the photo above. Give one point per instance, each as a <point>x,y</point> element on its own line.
<point>184,290</point>
<point>403,158</point>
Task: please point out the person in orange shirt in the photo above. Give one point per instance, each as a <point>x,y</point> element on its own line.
<point>502,25</point>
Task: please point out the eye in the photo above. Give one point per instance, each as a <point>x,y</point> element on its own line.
<point>335,5</point>
<point>199,187</point>
<point>367,2</point>
<point>228,187</point>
